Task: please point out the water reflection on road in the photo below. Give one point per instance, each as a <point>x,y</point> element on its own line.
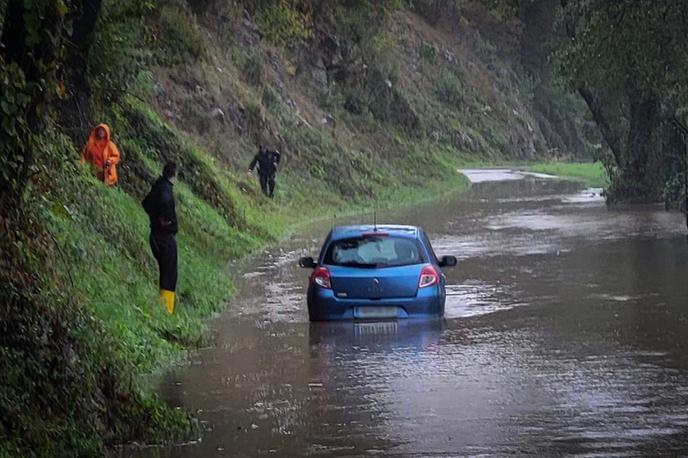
<point>565,334</point>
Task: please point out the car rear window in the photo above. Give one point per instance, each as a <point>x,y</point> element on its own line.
<point>374,251</point>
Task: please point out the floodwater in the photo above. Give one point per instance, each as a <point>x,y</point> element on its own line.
<point>566,333</point>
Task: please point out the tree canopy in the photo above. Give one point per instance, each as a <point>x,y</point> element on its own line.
<point>627,59</point>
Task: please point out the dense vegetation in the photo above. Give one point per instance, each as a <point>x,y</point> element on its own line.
<point>368,101</point>
<point>627,59</point>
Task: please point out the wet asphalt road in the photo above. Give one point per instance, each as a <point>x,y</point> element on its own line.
<point>566,333</point>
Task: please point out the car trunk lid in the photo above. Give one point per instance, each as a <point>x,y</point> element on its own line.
<point>375,283</point>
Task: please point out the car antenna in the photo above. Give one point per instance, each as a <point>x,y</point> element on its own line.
<point>375,218</point>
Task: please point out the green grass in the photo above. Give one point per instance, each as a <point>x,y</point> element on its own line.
<point>592,174</point>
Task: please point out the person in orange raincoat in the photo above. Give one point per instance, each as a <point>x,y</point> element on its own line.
<point>103,154</point>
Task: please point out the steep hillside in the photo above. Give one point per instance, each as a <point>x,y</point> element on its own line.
<point>370,104</point>
<point>456,84</point>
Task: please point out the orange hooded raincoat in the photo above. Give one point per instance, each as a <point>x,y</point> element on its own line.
<point>103,154</point>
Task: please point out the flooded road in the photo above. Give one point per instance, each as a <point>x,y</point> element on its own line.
<point>566,333</point>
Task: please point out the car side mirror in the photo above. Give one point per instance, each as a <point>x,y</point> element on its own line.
<point>307,263</point>
<point>448,261</point>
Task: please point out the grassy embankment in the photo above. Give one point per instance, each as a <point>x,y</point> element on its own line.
<point>106,230</point>
<point>591,174</point>
<point>106,270</point>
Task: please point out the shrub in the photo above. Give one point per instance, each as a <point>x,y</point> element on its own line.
<point>282,21</point>
<point>355,102</point>
<point>428,52</point>
<point>449,89</point>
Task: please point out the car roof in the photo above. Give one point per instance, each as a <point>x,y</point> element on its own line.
<point>344,232</point>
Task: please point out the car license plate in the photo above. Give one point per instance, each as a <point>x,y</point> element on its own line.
<point>376,328</point>
<point>375,312</point>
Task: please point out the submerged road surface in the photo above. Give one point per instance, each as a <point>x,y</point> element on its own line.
<point>566,333</point>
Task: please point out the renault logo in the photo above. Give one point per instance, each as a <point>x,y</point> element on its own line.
<point>376,282</point>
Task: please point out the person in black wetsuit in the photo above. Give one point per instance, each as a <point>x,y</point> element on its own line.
<point>267,161</point>
<point>159,204</point>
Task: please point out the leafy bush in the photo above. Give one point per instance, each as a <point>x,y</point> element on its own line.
<point>449,89</point>
<point>428,52</point>
<point>282,21</point>
<point>355,102</point>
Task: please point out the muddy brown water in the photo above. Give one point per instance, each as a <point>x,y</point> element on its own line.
<point>566,333</point>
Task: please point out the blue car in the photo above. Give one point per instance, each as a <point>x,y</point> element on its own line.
<point>376,272</point>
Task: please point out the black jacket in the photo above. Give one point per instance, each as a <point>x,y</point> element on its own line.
<point>159,204</point>
<point>267,161</point>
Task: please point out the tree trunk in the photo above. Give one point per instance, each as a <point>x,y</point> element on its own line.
<point>31,39</point>
<point>75,110</point>
<point>85,17</point>
<point>637,181</point>
<point>609,135</point>
<point>13,43</point>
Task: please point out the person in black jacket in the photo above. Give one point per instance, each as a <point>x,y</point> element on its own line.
<point>267,161</point>
<point>159,204</point>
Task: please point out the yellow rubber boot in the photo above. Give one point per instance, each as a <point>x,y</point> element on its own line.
<point>167,298</point>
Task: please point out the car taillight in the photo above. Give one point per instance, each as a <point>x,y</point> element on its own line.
<point>321,277</point>
<point>428,277</point>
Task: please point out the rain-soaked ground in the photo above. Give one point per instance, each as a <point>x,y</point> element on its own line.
<point>566,333</point>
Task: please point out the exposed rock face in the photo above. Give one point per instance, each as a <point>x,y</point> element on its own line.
<point>217,115</point>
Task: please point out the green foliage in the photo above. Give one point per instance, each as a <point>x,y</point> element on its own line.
<point>14,130</point>
<point>179,37</point>
<point>626,42</point>
<point>593,174</point>
<point>284,20</point>
<point>27,87</point>
<point>360,21</point>
<point>623,60</point>
<point>64,390</point>
<point>121,49</point>
<point>428,52</point>
<point>449,89</point>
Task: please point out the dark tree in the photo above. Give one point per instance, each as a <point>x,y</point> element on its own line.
<point>29,53</point>
<point>33,47</point>
<point>76,69</point>
<point>626,59</point>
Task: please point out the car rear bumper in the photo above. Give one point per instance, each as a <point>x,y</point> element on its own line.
<point>323,305</point>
